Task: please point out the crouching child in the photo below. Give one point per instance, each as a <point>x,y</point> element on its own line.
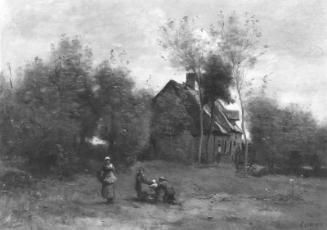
<point>165,192</point>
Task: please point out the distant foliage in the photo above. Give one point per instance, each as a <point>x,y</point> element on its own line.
<point>285,137</point>
<point>60,103</point>
<point>321,146</point>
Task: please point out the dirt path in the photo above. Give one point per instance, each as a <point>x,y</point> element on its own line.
<point>212,198</point>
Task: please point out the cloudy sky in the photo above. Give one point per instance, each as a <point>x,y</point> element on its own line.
<point>295,30</point>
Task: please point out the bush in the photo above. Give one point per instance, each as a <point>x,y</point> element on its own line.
<point>12,180</point>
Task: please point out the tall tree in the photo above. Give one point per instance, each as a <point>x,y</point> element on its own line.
<point>114,88</point>
<point>187,50</point>
<point>239,44</point>
<point>216,84</point>
<point>71,64</point>
<point>125,114</point>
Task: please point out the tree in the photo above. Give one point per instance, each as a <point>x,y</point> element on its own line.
<point>125,115</point>
<point>264,119</point>
<point>51,109</point>
<point>187,49</point>
<point>113,89</point>
<point>7,107</point>
<point>217,80</point>
<point>239,45</point>
<point>216,83</point>
<point>283,137</point>
<point>321,143</point>
<point>71,66</point>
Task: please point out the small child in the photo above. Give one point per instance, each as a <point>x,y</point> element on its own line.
<point>153,185</point>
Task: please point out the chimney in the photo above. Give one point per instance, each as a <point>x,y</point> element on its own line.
<point>190,80</point>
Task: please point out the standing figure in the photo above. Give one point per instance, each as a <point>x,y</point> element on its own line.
<point>107,178</point>
<point>237,158</point>
<point>139,180</point>
<point>218,154</point>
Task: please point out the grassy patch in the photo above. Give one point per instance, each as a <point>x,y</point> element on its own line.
<point>210,197</point>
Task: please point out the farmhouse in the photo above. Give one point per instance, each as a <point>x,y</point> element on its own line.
<point>175,127</point>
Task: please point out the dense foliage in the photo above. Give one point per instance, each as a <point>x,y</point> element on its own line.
<point>285,138</point>
<point>59,104</point>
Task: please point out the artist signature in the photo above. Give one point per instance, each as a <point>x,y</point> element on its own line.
<point>311,225</point>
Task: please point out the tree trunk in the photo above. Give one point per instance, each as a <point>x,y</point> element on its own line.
<point>111,148</point>
<point>238,79</point>
<point>198,75</point>
<point>112,137</point>
<point>245,136</point>
<point>212,103</point>
<point>201,134</point>
<point>207,146</point>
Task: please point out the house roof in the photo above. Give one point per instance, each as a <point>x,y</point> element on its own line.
<point>232,114</point>
<point>171,83</point>
<point>217,126</point>
<point>220,116</point>
<point>224,120</point>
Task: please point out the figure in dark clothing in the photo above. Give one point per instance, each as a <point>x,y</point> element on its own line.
<point>237,158</point>
<point>139,180</point>
<point>218,154</point>
<point>107,178</point>
<point>165,192</point>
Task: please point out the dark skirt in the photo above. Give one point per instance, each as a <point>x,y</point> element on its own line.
<point>108,191</point>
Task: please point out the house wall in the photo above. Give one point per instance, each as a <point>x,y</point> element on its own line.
<point>175,148</point>
<point>209,148</point>
<point>228,145</point>
<point>184,147</point>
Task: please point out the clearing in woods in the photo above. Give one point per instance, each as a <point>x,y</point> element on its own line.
<point>211,198</point>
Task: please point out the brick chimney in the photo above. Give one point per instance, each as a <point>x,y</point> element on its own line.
<point>190,80</point>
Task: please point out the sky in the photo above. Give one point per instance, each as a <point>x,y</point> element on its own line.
<point>295,30</point>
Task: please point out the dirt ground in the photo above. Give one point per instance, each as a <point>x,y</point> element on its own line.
<point>211,198</point>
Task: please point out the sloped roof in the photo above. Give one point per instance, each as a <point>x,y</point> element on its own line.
<point>171,83</point>
<point>232,114</point>
<point>217,126</point>
<point>222,120</point>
